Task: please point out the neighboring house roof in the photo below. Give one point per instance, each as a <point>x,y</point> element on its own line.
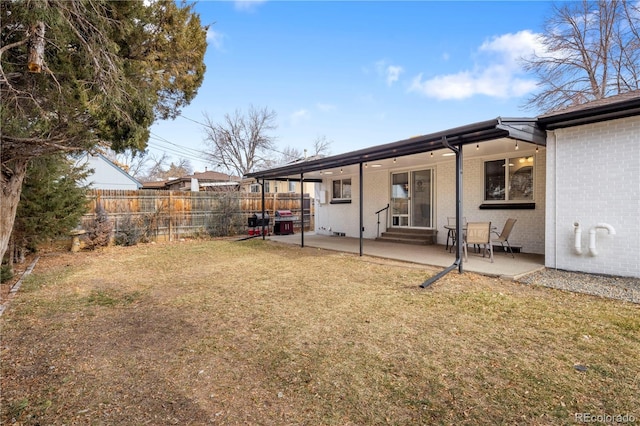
<point>106,174</point>
<point>204,179</point>
<point>617,106</point>
<point>154,185</point>
<point>208,176</point>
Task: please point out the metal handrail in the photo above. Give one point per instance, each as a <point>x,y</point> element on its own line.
<point>387,217</point>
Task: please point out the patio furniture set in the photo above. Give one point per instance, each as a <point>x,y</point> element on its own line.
<point>480,234</point>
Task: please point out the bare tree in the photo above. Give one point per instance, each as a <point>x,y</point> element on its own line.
<point>159,168</point>
<point>156,167</point>
<point>133,162</point>
<point>290,154</point>
<point>183,168</point>
<point>592,51</point>
<point>241,143</point>
<point>321,147</point>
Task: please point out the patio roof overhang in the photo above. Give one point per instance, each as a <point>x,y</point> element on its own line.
<point>521,129</point>
<point>518,129</point>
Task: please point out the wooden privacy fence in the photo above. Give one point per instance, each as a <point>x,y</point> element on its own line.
<point>169,215</point>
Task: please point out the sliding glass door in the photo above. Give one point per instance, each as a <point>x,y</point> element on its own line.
<point>400,199</point>
<point>412,199</point>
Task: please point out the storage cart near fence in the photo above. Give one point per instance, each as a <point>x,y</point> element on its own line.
<point>283,222</point>
<point>257,222</point>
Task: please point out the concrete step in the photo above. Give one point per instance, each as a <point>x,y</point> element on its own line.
<point>409,236</point>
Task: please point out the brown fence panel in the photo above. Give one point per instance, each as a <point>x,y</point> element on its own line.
<point>169,215</point>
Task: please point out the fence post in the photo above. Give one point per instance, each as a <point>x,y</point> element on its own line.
<point>170,216</point>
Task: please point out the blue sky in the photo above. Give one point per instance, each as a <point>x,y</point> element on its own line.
<point>359,73</point>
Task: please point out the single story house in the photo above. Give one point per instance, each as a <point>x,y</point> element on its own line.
<point>279,186</point>
<point>105,174</point>
<point>199,181</point>
<point>571,179</point>
<point>274,186</point>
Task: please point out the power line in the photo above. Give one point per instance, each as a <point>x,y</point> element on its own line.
<point>206,125</point>
<point>186,148</point>
<point>195,121</point>
<point>183,154</point>
<point>160,146</point>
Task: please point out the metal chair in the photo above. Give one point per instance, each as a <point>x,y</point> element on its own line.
<point>451,234</point>
<point>503,237</point>
<point>479,233</point>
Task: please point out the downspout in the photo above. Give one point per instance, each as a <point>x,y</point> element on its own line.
<point>458,262</point>
<point>555,200</point>
<point>301,209</point>
<point>263,211</point>
<point>361,210</point>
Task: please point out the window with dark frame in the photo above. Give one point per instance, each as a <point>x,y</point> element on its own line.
<point>509,179</point>
<point>494,180</point>
<point>341,189</point>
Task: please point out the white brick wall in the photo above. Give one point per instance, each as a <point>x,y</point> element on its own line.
<point>528,231</point>
<point>376,189</point>
<point>344,218</point>
<point>594,177</point>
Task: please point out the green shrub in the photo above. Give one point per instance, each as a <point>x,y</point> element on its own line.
<point>99,230</point>
<point>130,231</point>
<point>5,273</point>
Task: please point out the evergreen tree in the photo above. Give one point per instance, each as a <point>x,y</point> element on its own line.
<point>51,204</point>
<point>87,73</point>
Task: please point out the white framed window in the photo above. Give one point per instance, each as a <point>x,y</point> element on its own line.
<point>255,187</point>
<point>341,189</point>
<point>509,179</point>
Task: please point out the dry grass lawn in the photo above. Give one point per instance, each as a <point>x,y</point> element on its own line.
<point>254,332</point>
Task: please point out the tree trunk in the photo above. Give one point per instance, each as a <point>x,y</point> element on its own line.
<point>36,48</point>
<point>12,179</point>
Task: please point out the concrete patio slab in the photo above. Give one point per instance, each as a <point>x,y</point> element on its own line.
<point>504,265</point>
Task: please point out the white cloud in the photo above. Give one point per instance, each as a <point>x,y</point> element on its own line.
<point>325,107</point>
<point>299,116</point>
<point>391,73</point>
<point>248,5</point>
<point>215,38</point>
<point>498,72</point>
<point>514,46</point>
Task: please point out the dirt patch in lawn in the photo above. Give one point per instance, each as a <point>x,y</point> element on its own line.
<point>206,332</point>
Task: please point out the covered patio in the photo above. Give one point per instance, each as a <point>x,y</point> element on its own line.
<point>504,266</point>
<point>372,188</point>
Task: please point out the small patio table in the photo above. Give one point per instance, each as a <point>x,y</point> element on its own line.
<point>464,228</point>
